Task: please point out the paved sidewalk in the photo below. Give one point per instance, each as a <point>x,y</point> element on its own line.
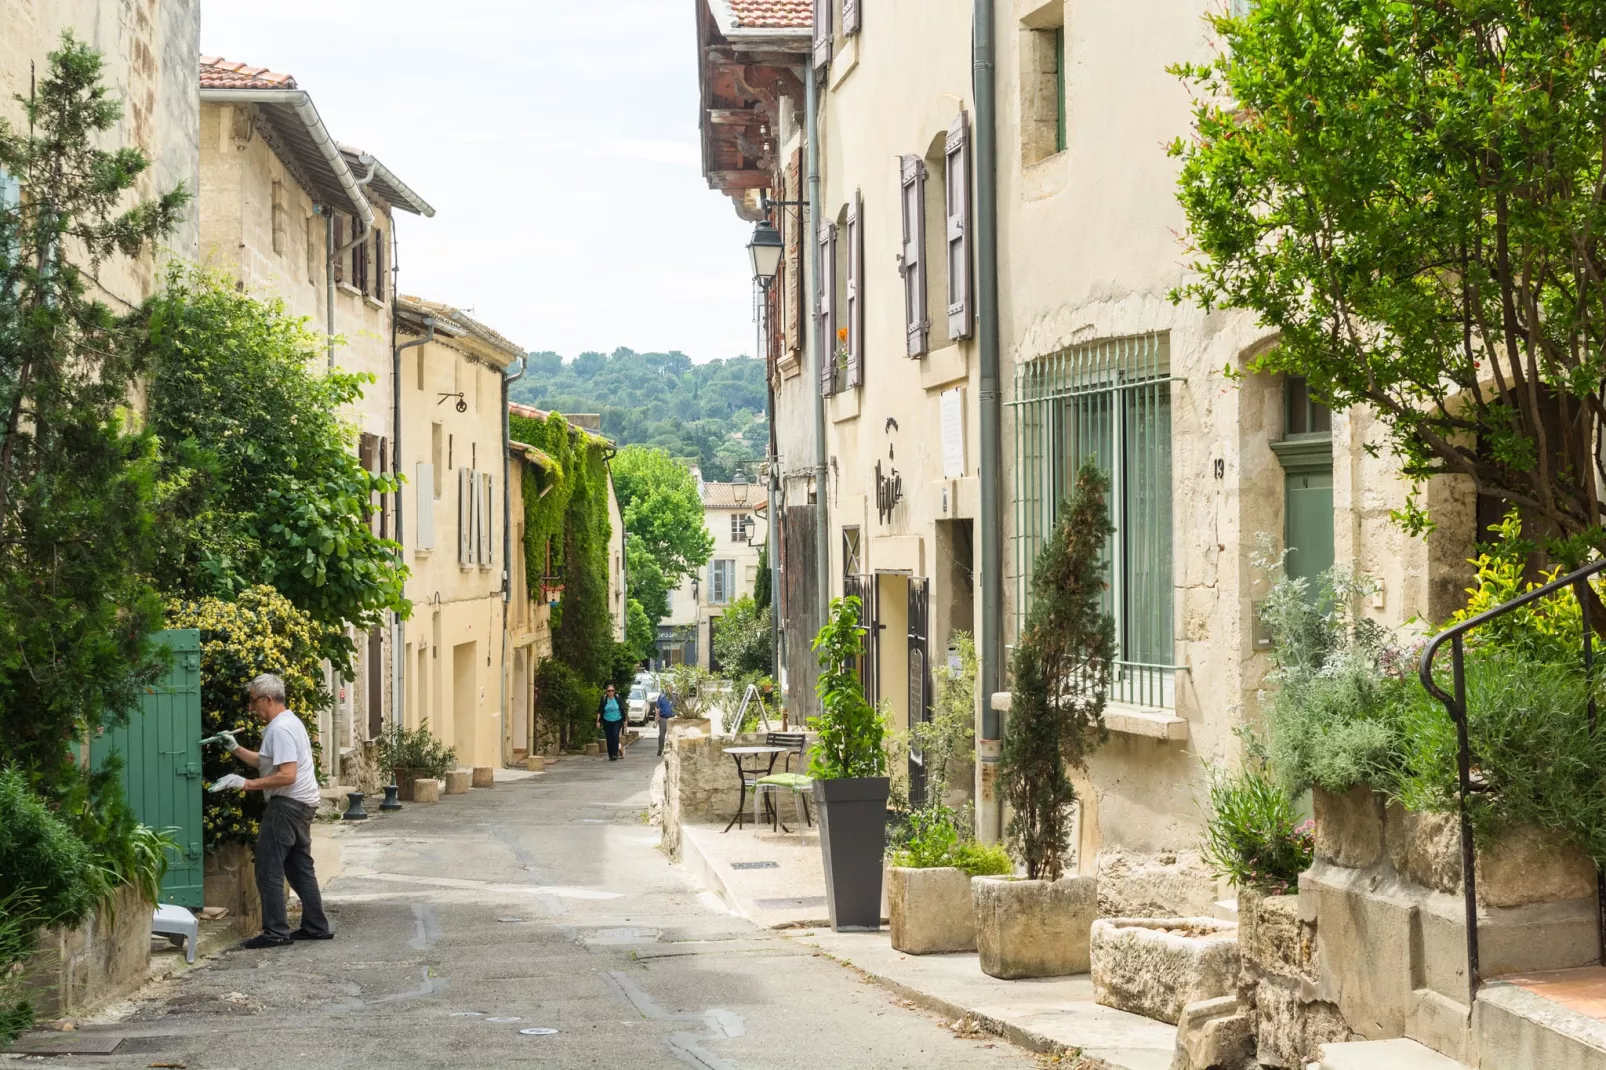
<point>1046,1015</point>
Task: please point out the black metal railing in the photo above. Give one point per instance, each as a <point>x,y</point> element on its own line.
<point>1456,705</point>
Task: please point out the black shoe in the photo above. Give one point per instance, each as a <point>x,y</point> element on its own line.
<point>302,934</point>
<point>263,940</point>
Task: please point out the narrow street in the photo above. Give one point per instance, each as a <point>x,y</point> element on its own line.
<point>540,903</point>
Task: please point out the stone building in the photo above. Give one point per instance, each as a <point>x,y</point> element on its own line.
<point>879,319</point>
<point>734,515</point>
<point>289,211</point>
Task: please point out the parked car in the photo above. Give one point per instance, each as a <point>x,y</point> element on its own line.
<point>637,708</point>
<point>649,682</point>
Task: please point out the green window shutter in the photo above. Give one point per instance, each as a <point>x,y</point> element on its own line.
<point>1059,75</point>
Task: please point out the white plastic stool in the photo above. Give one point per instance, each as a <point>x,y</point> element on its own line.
<point>174,921</point>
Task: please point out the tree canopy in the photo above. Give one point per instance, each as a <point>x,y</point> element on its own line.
<point>1411,195</point>
<point>663,511</point>
<point>710,415</point>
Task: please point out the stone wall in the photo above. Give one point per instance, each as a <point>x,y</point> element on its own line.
<point>106,957</point>
<point>1277,949</point>
<point>230,881</point>
<point>700,779</point>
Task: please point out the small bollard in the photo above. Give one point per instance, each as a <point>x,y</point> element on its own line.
<point>354,810</point>
<point>390,802</point>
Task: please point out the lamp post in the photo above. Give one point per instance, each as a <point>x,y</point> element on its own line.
<point>764,251</point>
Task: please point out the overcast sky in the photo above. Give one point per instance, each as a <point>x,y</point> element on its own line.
<point>557,142</point>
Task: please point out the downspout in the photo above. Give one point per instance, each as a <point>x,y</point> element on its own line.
<point>507,549</point>
<point>398,643</point>
<point>772,526</point>
<point>366,217</point>
<point>989,811</point>
<point>822,518</point>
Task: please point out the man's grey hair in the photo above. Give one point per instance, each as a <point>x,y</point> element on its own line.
<point>266,686</point>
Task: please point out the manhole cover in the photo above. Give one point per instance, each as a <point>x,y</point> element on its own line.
<point>807,902</point>
<point>755,865</point>
<point>539,1032</point>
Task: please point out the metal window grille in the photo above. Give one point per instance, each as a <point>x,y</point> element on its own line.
<point>1110,401</point>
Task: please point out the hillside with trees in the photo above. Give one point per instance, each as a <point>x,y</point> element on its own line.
<point>710,414</point>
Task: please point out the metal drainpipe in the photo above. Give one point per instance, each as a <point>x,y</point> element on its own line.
<point>366,227</point>
<point>770,525</point>
<point>398,644</point>
<point>507,548</point>
<point>822,496</point>
<point>989,811</point>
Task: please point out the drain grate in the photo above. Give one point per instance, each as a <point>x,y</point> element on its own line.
<point>755,865</point>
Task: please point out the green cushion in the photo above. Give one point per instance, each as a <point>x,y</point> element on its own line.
<point>795,781</point>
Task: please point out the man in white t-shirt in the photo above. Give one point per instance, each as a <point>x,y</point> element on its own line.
<point>284,845</point>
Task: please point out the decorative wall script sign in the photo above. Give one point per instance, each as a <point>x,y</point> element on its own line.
<point>953,433</point>
<point>888,491</point>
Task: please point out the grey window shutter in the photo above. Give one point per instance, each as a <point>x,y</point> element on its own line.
<point>822,32</point>
<point>424,526</point>
<point>488,539</point>
<point>912,262</point>
<point>465,516</point>
<point>956,161</point>
<point>850,17</point>
<point>825,305</point>
<point>855,309</point>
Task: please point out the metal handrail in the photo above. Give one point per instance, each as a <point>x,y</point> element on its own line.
<point>1455,704</point>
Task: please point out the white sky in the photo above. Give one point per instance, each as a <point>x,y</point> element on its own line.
<point>557,142</point>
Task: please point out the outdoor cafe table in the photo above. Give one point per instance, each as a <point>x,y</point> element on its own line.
<point>757,769</point>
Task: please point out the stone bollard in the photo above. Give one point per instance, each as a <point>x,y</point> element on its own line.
<point>457,782</point>
<point>535,763</point>
<point>484,776</point>
<point>426,791</point>
<point>593,750</point>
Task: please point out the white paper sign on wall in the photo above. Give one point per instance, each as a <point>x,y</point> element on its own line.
<point>953,432</point>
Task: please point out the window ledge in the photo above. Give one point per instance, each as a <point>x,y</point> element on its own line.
<point>789,367</point>
<point>348,289</point>
<point>1127,720</point>
<point>945,366</point>
<point>843,405</point>
<point>845,61</point>
<point>373,302</point>
<point>422,551</point>
<point>1305,453</point>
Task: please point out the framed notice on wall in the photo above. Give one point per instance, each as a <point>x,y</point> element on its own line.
<point>953,432</point>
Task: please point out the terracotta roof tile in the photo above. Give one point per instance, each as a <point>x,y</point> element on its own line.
<point>220,73</point>
<point>772,14</point>
<point>733,495</point>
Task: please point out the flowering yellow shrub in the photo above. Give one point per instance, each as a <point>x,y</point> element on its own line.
<point>260,631</point>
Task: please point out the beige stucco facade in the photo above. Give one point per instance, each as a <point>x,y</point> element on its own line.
<point>734,517</point>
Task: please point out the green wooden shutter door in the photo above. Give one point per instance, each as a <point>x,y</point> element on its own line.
<point>1309,519</point>
<point>161,753</point>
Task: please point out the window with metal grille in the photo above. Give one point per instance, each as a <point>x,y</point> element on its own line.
<point>852,554</point>
<point>1108,401</point>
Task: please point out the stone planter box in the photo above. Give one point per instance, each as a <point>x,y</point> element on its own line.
<point>1157,966</point>
<point>1027,928</point>
<point>931,910</point>
<point>457,782</point>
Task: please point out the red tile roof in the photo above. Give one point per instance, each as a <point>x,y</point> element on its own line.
<point>772,14</point>
<point>733,495</point>
<point>219,73</point>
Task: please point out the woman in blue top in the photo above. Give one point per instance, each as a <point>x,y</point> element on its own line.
<point>611,719</point>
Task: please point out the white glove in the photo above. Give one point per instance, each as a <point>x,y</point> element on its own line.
<point>233,781</point>
<point>227,739</point>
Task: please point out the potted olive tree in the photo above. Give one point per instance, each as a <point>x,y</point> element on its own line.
<point>849,766</point>
<point>413,754</point>
<point>1039,927</point>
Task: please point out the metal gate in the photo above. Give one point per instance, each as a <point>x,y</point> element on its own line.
<point>919,681</point>
<point>161,750</point>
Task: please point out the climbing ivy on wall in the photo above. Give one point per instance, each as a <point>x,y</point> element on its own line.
<point>566,506</point>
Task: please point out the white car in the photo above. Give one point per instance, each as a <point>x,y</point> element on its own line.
<point>636,707</point>
<point>648,682</point>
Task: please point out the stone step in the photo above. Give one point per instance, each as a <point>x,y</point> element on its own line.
<point>1388,1055</point>
<point>1518,1027</point>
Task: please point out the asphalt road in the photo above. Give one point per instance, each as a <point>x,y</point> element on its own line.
<point>543,903</point>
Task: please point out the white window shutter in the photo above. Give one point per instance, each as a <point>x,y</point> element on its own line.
<point>825,306</point>
<point>956,162</point>
<point>912,263</point>
<point>424,527</point>
<point>850,17</point>
<point>822,32</point>
<point>487,542</point>
<point>465,516</point>
<point>855,309</point>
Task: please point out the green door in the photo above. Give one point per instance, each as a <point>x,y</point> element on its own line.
<point>161,753</point>
<point>1309,520</point>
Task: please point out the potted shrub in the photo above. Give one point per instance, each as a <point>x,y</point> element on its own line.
<point>849,766</point>
<point>414,754</point>
<point>1038,927</point>
<point>929,894</point>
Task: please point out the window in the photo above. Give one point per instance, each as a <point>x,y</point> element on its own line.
<point>852,554</point>
<point>10,199</point>
<point>359,262</point>
<point>741,526</point>
<point>1044,129</point>
<point>314,224</point>
<point>1059,95</point>
<point>721,582</point>
<point>420,350</point>
<point>379,265</point>
<point>1303,414</point>
<point>1109,402</point>
<point>339,240</point>
<point>825,317</point>
<point>281,219</point>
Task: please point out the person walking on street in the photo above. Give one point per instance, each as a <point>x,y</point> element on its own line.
<point>611,719</point>
<point>284,845</point>
<point>666,710</point>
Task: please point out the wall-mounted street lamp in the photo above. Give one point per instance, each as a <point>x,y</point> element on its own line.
<point>764,250</point>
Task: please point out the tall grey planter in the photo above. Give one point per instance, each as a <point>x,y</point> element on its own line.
<point>853,840</point>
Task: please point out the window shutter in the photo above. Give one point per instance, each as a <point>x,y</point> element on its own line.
<point>912,263</point>
<point>855,309</point>
<point>379,265</point>
<point>825,294</point>
<point>424,527</point>
<point>487,541</point>
<point>340,239</point>
<point>465,516</point>
<point>956,160</point>
<point>822,32</point>
<point>792,227</point>
<point>850,17</point>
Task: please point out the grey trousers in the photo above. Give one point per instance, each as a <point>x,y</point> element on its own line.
<point>284,852</point>
<point>663,731</point>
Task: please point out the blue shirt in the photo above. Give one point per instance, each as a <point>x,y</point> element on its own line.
<point>665,709</point>
<point>610,710</point>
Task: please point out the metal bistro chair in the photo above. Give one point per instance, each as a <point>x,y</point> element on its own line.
<point>799,784</point>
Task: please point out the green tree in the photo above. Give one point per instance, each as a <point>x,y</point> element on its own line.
<point>762,580</point>
<point>640,636</point>
<point>76,480</point>
<point>851,733</point>
<point>744,641</point>
<point>1410,195</point>
<point>663,512</point>
<point>1062,679</point>
<point>261,480</point>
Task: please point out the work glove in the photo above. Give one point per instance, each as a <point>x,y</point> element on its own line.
<point>226,738</point>
<point>233,781</point>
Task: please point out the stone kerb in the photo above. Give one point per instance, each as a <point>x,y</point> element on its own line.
<point>1157,966</point>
